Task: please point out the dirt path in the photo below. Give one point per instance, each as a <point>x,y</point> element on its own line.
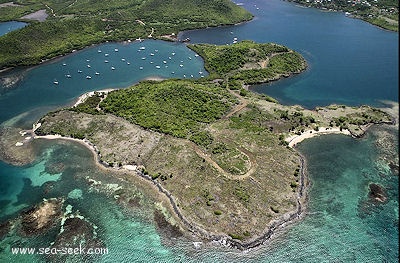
<point>72,4</point>
<point>207,158</point>
<point>140,22</point>
<point>264,63</point>
<point>243,103</point>
<point>152,32</point>
<point>253,164</point>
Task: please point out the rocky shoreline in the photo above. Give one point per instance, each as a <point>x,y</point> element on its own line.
<point>198,231</point>
<point>221,239</point>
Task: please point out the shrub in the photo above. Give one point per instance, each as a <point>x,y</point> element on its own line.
<point>219,148</point>
<point>218,212</point>
<point>236,236</point>
<point>243,92</point>
<point>202,138</point>
<point>155,176</point>
<point>242,194</point>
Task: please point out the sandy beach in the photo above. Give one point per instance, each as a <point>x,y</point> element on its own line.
<point>155,78</point>
<point>86,95</point>
<point>295,139</point>
<point>83,142</point>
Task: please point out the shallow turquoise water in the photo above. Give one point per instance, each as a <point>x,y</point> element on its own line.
<point>14,181</point>
<point>340,225</point>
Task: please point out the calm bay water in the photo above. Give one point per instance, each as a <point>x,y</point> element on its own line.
<point>350,62</point>
<point>35,88</point>
<point>6,27</point>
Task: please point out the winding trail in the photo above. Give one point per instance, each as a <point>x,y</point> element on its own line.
<point>243,104</point>
<point>208,159</point>
<point>253,164</point>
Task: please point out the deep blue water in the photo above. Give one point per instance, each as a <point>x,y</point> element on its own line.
<point>350,61</point>
<point>6,27</point>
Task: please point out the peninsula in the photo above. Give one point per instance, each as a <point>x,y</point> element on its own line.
<point>222,155</point>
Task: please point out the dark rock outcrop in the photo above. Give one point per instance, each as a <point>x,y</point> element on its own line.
<point>4,229</point>
<point>169,230</point>
<point>377,193</point>
<point>42,217</point>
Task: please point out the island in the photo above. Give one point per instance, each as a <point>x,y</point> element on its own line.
<point>222,157</point>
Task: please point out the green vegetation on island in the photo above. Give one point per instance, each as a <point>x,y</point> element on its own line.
<point>218,149</point>
<point>176,107</point>
<point>75,24</point>
<point>247,62</point>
